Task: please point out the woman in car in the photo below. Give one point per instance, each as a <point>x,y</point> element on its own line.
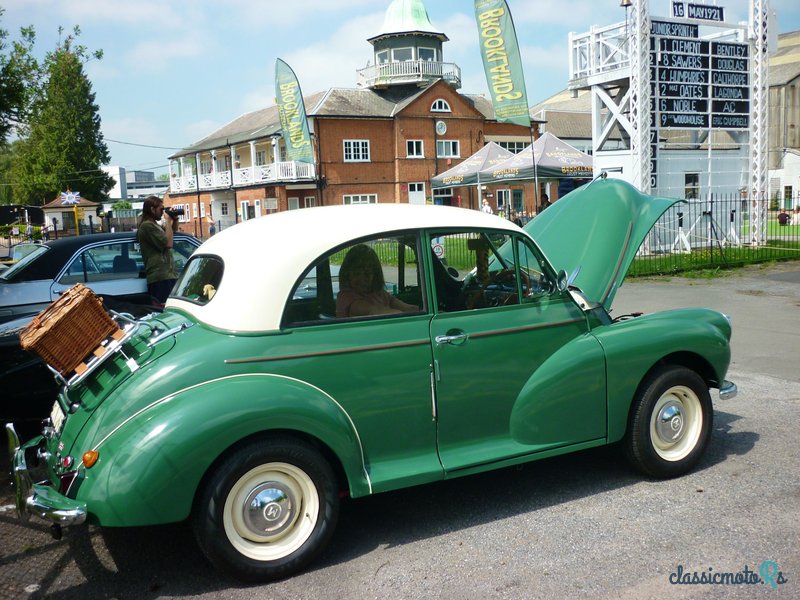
<point>362,284</point>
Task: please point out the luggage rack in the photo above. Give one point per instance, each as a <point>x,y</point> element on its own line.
<point>107,348</point>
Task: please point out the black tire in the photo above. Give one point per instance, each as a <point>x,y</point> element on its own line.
<point>267,510</point>
<point>670,422</point>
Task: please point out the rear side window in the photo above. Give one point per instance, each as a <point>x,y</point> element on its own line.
<point>106,262</point>
<point>200,280</point>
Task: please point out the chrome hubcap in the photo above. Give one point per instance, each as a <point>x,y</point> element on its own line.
<point>676,423</point>
<point>269,509</point>
<point>669,422</point>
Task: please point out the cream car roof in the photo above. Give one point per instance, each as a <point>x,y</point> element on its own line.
<point>264,257</point>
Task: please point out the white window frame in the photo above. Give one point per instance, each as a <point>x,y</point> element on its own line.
<point>223,208</point>
<point>360,199</point>
<point>440,105</point>
<point>194,211</point>
<point>261,157</point>
<point>205,167</point>
<point>396,50</point>
<point>293,202</point>
<point>202,209</point>
<point>426,48</point>
<point>448,149</point>
<point>382,57</point>
<point>257,204</point>
<point>309,202</point>
<point>357,150</point>
<point>515,147</point>
<point>503,198</point>
<point>442,193</point>
<point>415,149</point>
<point>243,206</point>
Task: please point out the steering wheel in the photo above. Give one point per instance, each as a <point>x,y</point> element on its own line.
<point>505,278</point>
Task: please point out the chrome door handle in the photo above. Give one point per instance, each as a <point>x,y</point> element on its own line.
<point>455,339</point>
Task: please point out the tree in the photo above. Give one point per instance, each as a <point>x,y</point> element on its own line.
<point>7,154</point>
<point>64,147</point>
<point>19,80</point>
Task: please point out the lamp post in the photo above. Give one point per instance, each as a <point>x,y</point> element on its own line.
<point>626,4</point>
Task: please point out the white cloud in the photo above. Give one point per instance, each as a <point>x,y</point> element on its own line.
<point>333,61</point>
<point>155,55</point>
<point>134,130</point>
<point>260,97</point>
<point>197,130</point>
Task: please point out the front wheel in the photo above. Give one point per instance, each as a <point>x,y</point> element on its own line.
<point>267,510</point>
<point>670,422</point>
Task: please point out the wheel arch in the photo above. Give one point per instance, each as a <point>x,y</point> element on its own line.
<point>152,464</point>
<point>693,338</point>
<point>691,360</point>
<point>320,446</point>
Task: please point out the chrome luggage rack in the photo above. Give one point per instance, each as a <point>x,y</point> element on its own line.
<point>110,346</point>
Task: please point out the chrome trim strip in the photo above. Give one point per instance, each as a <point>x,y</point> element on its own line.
<point>728,390</point>
<point>235,361</point>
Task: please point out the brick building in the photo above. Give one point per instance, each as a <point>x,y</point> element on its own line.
<point>380,142</point>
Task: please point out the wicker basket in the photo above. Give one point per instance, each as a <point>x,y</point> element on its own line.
<point>69,330</point>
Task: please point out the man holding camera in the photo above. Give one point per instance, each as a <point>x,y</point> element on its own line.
<point>156,247</point>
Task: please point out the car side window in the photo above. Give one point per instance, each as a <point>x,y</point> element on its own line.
<point>373,278</point>
<point>535,281</point>
<point>105,263</point>
<point>181,251</point>
<point>474,269</point>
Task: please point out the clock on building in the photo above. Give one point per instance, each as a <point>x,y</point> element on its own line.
<point>441,127</point>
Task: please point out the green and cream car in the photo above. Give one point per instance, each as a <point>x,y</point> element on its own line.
<point>276,381</point>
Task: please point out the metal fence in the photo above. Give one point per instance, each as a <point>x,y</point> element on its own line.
<point>716,233</point>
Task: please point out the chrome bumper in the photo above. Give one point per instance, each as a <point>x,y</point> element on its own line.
<point>728,390</point>
<point>37,499</point>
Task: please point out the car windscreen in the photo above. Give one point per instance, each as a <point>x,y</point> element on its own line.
<point>13,272</point>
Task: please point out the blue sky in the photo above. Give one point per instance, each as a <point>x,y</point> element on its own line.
<point>175,70</point>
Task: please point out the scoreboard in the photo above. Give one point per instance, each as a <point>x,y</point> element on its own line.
<point>695,83</point>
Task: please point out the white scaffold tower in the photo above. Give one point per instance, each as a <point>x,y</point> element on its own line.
<point>615,64</point>
<point>758,33</point>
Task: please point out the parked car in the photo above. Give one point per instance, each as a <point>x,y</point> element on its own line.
<point>29,387</point>
<point>251,409</point>
<point>108,263</point>
<point>16,252</point>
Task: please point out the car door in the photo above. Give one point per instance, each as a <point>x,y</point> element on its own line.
<point>375,365</point>
<point>497,336</point>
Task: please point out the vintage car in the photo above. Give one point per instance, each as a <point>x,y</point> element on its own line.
<point>251,408</point>
<point>108,263</point>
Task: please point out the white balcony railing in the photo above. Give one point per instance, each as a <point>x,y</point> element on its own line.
<point>410,71</point>
<point>271,173</point>
<point>602,53</point>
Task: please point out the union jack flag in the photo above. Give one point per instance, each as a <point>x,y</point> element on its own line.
<point>70,197</point>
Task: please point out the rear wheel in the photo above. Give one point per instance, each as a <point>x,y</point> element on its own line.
<point>267,510</point>
<point>670,423</point>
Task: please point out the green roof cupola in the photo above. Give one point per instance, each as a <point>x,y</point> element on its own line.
<point>408,50</point>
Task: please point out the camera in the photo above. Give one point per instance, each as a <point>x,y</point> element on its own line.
<point>174,212</point>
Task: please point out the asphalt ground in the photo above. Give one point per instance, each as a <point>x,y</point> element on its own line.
<point>578,526</point>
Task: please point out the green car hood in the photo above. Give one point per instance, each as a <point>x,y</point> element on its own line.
<point>594,232</point>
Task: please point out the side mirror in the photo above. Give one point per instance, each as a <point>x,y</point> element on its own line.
<point>562,280</point>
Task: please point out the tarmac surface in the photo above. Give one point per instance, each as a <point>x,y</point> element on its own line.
<point>578,526</point>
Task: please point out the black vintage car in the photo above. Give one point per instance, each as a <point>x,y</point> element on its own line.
<point>110,264</point>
